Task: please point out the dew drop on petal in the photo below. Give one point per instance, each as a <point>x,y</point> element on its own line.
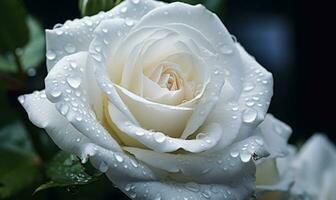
<point>159,137</point>
<point>118,157</point>
<point>234,154</point>
<point>129,22</point>
<point>55,93</point>
<point>245,156</point>
<point>249,115</point>
<point>51,55</point>
<point>74,81</point>
<point>135,1</point>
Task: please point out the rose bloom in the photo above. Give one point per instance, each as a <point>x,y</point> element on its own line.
<point>307,174</point>
<point>161,98</point>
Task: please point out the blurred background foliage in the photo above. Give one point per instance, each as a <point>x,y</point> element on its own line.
<point>283,35</point>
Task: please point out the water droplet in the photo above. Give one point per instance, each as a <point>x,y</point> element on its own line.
<point>249,115</point>
<point>59,32</point>
<point>135,1</point>
<point>249,103</point>
<point>58,26</point>
<point>234,154</point>
<point>105,30</point>
<point>134,163</point>
<point>73,81</point>
<point>103,167</point>
<point>55,93</point>
<point>139,133</point>
<point>248,87</point>
<point>79,118</point>
<point>159,137</point>
<point>245,156</point>
<point>118,157</point>
<point>206,194</point>
<point>70,48</point>
<point>64,109</point>
<point>73,65</point>
<point>51,55</point>
<point>129,22</point>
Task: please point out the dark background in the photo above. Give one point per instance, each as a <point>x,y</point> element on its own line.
<point>292,39</point>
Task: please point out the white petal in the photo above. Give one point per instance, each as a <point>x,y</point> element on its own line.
<point>275,134</point>
<point>217,167</point>
<point>72,37</point>
<point>159,117</point>
<point>316,157</point>
<point>158,141</point>
<point>67,87</point>
<point>44,115</point>
<point>140,182</point>
<point>75,36</point>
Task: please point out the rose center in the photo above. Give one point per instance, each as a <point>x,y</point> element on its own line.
<point>170,79</point>
<point>166,75</point>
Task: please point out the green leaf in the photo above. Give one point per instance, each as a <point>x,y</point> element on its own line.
<point>66,170</point>
<point>31,55</point>
<point>92,7</point>
<point>14,31</point>
<point>18,166</point>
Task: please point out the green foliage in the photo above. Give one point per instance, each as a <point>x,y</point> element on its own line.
<point>92,7</point>
<point>66,170</point>
<point>14,30</point>
<point>31,55</point>
<point>18,168</point>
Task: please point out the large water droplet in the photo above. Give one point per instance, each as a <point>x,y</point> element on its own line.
<point>51,55</point>
<point>249,115</point>
<point>74,81</point>
<point>245,156</point>
<point>55,93</point>
<point>159,137</point>
<point>118,157</point>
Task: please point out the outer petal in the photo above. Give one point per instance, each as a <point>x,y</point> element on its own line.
<point>140,182</point>
<point>44,115</point>
<point>75,36</point>
<point>275,134</point>
<point>67,86</point>
<point>316,159</point>
<point>158,141</point>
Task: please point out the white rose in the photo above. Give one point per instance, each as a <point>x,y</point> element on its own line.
<point>161,98</point>
<point>309,174</point>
